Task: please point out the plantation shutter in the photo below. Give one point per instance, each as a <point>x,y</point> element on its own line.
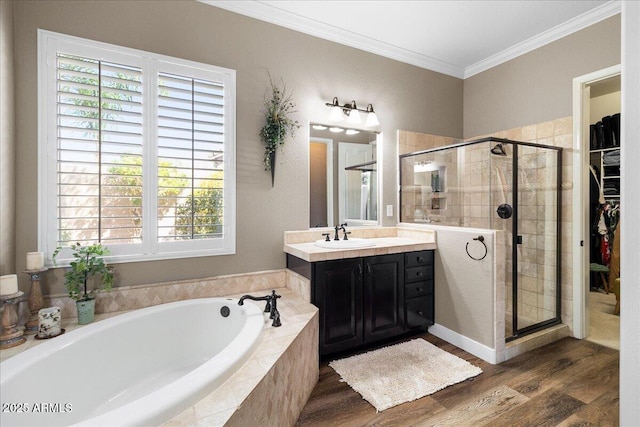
<point>99,151</point>
<point>190,146</point>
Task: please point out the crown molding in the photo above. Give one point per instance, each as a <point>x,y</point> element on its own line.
<point>266,12</point>
<point>578,23</point>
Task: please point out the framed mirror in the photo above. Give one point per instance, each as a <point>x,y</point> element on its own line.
<point>344,178</point>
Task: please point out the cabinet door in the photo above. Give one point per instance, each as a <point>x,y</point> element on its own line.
<point>383,297</point>
<point>419,311</point>
<point>338,290</point>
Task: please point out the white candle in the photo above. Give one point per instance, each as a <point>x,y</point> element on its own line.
<point>35,260</point>
<point>8,284</point>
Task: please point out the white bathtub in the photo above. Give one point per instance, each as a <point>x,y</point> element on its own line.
<point>139,368</point>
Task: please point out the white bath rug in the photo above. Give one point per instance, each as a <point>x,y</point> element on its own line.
<point>402,373</point>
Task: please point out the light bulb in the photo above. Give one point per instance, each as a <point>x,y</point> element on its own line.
<point>354,117</point>
<point>372,119</point>
<point>336,114</point>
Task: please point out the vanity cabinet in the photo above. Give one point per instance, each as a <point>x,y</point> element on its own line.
<point>338,295</point>
<point>369,299</point>
<point>418,290</point>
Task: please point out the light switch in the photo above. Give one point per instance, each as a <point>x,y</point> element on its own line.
<point>389,210</point>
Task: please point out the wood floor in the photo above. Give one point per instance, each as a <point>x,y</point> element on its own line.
<point>567,383</point>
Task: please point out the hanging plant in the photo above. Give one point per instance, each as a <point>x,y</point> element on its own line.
<point>279,125</point>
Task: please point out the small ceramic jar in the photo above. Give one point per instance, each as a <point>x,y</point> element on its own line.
<point>49,322</point>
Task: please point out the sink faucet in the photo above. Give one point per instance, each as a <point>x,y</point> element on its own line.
<point>270,308</point>
<point>338,228</point>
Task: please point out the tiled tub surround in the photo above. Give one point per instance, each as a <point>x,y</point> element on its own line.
<point>388,240</point>
<point>276,381</point>
<point>133,297</point>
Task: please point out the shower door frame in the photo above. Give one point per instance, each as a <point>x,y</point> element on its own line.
<point>557,319</point>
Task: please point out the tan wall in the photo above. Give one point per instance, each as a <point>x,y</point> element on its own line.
<point>7,142</point>
<point>604,105</point>
<point>537,87</point>
<point>404,96</point>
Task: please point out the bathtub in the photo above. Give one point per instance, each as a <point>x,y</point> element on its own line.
<point>135,369</point>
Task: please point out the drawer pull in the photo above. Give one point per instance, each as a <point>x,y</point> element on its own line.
<point>420,313</point>
<point>420,259</point>
<point>419,273</point>
<point>418,289</point>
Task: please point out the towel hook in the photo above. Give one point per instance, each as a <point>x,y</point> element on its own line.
<point>480,239</point>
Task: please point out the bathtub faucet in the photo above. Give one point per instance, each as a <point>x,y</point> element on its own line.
<point>271,307</point>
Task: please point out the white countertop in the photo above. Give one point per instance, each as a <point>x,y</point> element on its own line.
<point>388,240</point>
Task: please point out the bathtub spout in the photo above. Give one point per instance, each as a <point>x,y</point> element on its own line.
<point>267,308</point>
<point>271,307</point>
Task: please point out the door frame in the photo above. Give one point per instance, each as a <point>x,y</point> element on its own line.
<point>329,171</point>
<point>580,264</point>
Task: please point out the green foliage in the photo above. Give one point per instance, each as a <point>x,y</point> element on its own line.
<point>125,181</point>
<point>86,266</point>
<point>202,214</point>
<point>279,126</point>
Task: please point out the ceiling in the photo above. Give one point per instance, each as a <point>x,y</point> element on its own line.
<point>455,37</point>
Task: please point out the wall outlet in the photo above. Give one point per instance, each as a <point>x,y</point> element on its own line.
<point>389,210</point>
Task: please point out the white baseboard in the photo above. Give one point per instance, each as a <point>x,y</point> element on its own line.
<point>467,344</point>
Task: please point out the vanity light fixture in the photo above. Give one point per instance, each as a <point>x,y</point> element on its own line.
<point>425,166</point>
<point>352,132</point>
<point>319,127</point>
<point>372,119</point>
<point>352,112</point>
<point>336,129</point>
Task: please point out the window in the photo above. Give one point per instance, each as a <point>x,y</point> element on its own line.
<point>136,151</point>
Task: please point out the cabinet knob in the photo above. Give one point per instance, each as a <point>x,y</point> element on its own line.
<point>419,289</point>
<point>420,259</point>
<point>419,273</point>
<point>420,313</point>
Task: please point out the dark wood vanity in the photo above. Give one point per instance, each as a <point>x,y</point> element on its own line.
<point>365,300</point>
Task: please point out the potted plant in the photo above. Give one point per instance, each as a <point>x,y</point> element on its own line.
<point>278,125</point>
<point>88,274</point>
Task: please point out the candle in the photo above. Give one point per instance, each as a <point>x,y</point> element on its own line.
<point>8,284</point>
<point>35,261</point>
<point>49,322</point>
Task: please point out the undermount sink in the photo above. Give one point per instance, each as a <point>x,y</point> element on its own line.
<point>352,243</point>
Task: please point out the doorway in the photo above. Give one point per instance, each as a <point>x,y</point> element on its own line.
<point>597,206</point>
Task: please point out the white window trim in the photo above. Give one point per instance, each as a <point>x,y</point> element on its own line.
<point>49,43</point>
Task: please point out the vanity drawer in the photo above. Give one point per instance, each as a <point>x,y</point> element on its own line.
<point>417,259</point>
<point>412,290</point>
<point>418,274</point>
<point>419,312</point>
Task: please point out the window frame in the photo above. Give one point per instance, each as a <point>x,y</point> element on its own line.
<point>49,44</point>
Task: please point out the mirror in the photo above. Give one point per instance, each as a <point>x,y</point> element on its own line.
<point>344,181</point>
<point>429,178</point>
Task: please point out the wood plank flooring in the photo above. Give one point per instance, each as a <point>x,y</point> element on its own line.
<point>567,383</point>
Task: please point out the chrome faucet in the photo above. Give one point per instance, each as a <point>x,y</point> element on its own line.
<point>271,307</point>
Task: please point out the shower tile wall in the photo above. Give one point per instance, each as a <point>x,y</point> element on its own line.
<point>444,208</point>
<point>537,255</point>
<point>481,191</point>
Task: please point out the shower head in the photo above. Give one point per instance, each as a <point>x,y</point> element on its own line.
<point>499,150</point>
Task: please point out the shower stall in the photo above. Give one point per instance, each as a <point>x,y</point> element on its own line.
<point>505,185</point>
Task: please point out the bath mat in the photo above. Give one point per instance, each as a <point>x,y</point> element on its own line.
<point>402,373</point>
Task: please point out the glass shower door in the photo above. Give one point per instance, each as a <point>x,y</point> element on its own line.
<point>536,240</point>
